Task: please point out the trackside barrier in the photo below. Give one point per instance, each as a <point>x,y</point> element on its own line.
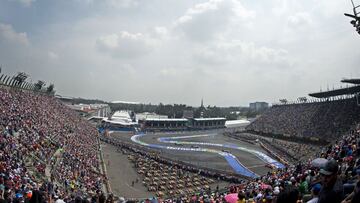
<point>283,161</point>
<point>103,167</point>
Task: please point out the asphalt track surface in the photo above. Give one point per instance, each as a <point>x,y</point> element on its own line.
<point>121,171</point>
<point>214,159</point>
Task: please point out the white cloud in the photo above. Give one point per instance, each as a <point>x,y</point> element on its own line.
<point>334,8</point>
<point>229,53</point>
<point>197,49</point>
<point>267,55</point>
<point>125,44</point>
<point>24,2</point>
<point>122,3</point>
<point>52,55</point>
<point>111,3</point>
<point>85,1</point>
<point>299,20</point>
<point>169,72</point>
<point>161,31</point>
<point>7,33</point>
<point>205,21</point>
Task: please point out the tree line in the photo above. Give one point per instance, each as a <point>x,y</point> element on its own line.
<point>177,110</point>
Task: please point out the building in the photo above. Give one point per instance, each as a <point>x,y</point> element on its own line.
<point>237,123</point>
<point>181,124</point>
<point>163,124</point>
<point>121,116</point>
<point>144,115</point>
<point>206,123</point>
<point>119,121</point>
<point>258,106</point>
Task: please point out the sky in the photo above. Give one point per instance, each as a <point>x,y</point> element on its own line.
<point>228,52</point>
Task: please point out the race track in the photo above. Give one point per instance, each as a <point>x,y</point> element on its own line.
<point>216,145</point>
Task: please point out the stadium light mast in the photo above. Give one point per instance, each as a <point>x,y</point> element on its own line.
<point>39,85</point>
<point>356,21</point>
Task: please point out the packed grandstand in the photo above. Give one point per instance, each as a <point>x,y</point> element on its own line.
<point>317,121</point>
<point>51,154</point>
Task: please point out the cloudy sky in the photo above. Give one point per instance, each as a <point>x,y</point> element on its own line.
<point>229,52</point>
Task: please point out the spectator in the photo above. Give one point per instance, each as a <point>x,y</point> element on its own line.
<point>241,197</point>
<point>355,195</point>
<point>37,132</point>
<point>288,196</point>
<point>323,120</point>
<point>315,193</point>
<point>332,190</point>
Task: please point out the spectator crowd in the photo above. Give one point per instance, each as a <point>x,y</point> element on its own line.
<point>288,150</point>
<point>322,120</point>
<point>300,182</point>
<point>49,154</point>
<point>334,181</point>
<point>45,148</point>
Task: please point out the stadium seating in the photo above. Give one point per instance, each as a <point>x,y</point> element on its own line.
<point>41,139</point>
<point>48,153</point>
<point>320,120</point>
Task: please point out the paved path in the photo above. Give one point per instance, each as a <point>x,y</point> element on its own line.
<point>121,173</point>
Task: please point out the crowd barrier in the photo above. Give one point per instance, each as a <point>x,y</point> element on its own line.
<point>103,167</point>
<point>283,161</point>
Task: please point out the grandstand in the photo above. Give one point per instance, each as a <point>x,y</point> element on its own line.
<point>236,123</point>
<point>336,112</point>
<point>45,144</point>
<point>207,123</point>
<point>119,121</point>
<point>176,124</point>
<point>57,149</point>
<point>163,124</point>
<point>51,154</point>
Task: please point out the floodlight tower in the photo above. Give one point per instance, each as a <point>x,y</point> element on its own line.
<point>355,16</point>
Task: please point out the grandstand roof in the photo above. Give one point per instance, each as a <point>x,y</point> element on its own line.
<point>167,119</point>
<point>142,116</point>
<point>208,119</point>
<point>121,115</point>
<point>121,122</point>
<point>352,81</point>
<point>236,123</point>
<point>337,92</point>
<point>124,102</point>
